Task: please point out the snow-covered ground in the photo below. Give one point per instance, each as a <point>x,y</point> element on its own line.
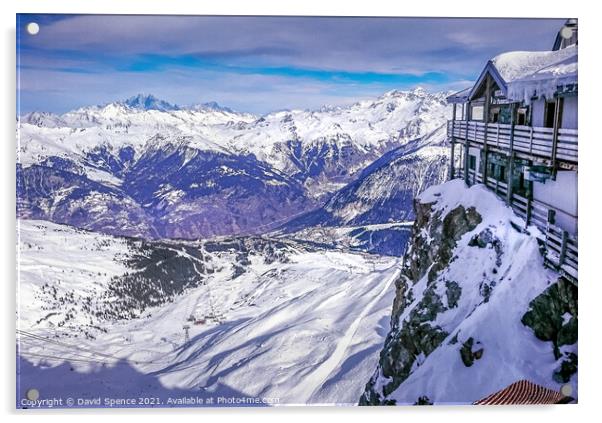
<point>302,330</point>
<point>511,350</point>
<point>476,302</point>
<point>385,238</point>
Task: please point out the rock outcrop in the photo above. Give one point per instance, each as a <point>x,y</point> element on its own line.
<point>475,309</point>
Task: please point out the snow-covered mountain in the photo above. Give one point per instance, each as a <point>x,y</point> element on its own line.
<point>205,170</point>
<point>250,317</point>
<point>325,149</point>
<point>384,191</point>
<point>371,208</point>
<point>147,102</point>
<point>43,119</point>
<point>475,309</point>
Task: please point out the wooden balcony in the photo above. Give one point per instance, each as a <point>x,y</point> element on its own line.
<point>561,247</point>
<point>526,141</point>
<point>562,252</point>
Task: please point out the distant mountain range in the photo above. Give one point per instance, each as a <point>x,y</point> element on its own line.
<point>384,191</point>
<point>145,167</point>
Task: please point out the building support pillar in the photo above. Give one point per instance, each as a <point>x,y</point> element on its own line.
<point>510,165</point>
<point>557,116</point>
<point>466,152</point>
<point>486,121</point>
<point>453,159</point>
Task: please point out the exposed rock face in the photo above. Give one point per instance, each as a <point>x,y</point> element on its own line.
<point>173,192</point>
<point>553,317</point>
<point>470,352</point>
<point>433,240</point>
<point>433,252</point>
<point>67,197</point>
<point>471,281</point>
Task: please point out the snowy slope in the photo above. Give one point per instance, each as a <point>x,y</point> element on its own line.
<point>267,318</point>
<point>390,186</point>
<point>384,239</point>
<point>471,307</point>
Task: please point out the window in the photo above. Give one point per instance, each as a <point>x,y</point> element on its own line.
<point>504,115</point>
<point>550,113</point>
<point>477,113</point>
<point>521,116</point>
<point>495,116</point>
<point>552,216</point>
<point>502,173</point>
<point>520,185</point>
<point>472,162</point>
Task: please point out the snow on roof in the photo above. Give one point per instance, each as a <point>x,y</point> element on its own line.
<point>515,65</point>
<point>460,96</point>
<point>544,82</point>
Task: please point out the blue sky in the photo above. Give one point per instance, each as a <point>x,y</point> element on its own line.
<point>256,64</point>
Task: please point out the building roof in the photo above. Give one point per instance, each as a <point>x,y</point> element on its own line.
<point>519,64</point>
<point>460,96</point>
<point>544,82</point>
<point>524,392</point>
<point>522,75</point>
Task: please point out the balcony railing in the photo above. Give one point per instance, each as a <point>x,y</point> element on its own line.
<point>529,140</point>
<point>562,251</point>
<point>561,247</point>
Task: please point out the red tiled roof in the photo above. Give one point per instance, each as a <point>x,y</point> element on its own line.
<point>523,392</point>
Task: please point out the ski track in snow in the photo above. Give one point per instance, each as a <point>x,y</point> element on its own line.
<point>307,331</point>
<point>316,379</point>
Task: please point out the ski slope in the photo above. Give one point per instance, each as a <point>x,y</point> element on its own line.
<point>305,329</point>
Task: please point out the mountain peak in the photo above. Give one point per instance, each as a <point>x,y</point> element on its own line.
<point>211,105</point>
<point>47,119</point>
<point>419,91</point>
<point>148,102</point>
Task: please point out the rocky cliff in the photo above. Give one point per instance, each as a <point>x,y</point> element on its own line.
<point>475,309</point>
